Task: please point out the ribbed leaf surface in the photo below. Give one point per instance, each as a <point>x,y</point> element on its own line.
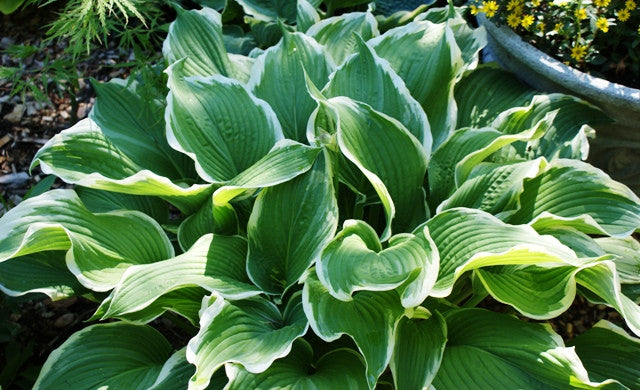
<point>608,352</point>
<point>216,263</point>
<point>487,350</point>
<point>278,77</point>
<point>84,156</point>
<point>338,369</point>
<point>197,36</point>
<point>418,351</point>
<point>101,246</point>
<point>285,161</point>
<point>427,58</point>
<point>113,356</point>
<point>367,78</point>
<point>355,260</point>
<point>369,319</point>
<point>338,33</point>
<point>576,194</point>
<point>250,332</point>
<point>289,225</point>
<point>134,122</point>
<point>204,122</point>
<point>468,239</point>
<point>368,138</point>
<point>627,252</point>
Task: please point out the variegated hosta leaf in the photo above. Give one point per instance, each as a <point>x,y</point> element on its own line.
<point>469,239</point>
<point>338,33</point>
<point>369,319</point>
<point>454,160</point>
<point>390,157</point>
<point>354,260</point>
<point>428,59</point>
<point>270,10</point>
<point>134,122</point>
<point>83,155</point>
<point>98,201</point>
<point>216,263</point>
<point>494,188</point>
<point>204,121</point>
<point>367,78</point>
<point>574,193</point>
<point>337,369</point>
<point>284,162</point>
<point>197,36</point>
<point>307,15</point>
<point>289,225</point>
<point>567,134</point>
<point>114,356</point>
<point>418,350</point>
<point>211,218</point>
<point>252,332</point>
<point>278,77</point>
<point>544,293</point>
<point>185,302</point>
<point>470,41</point>
<point>627,252</point>
<point>487,350</point>
<point>101,246</point>
<point>486,92</point>
<point>43,272</point>
<point>175,372</point>
<point>608,352</point>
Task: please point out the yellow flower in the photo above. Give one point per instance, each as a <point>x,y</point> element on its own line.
<point>490,8</point>
<point>513,4</point>
<point>513,20</point>
<point>558,28</point>
<point>527,21</point>
<point>535,3</point>
<point>623,15</point>
<point>630,5</point>
<point>581,13</point>
<point>578,52</point>
<point>602,3</point>
<point>541,26</point>
<point>602,24</point>
<point>474,10</point>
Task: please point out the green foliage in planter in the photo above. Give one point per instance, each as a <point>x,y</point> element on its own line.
<point>328,215</point>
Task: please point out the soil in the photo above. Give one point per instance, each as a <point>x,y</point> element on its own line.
<point>31,327</point>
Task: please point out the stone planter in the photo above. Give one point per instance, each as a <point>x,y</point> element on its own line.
<point>616,148</point>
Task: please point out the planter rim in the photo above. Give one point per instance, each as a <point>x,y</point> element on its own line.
<point>570,78</point>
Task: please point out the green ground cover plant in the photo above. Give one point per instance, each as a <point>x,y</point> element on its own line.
<point>328,213</point>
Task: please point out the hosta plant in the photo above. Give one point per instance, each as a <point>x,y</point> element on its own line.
<point>330,213</point>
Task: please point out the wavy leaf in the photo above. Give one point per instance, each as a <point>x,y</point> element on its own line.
<point>252,332</point>
<point>369,319</point>
<point>469,239</point>
<point>215,263</point>
<point>83,155</point>
<point>354,260</point>
<point>100,246</point>
<point>573,193</point>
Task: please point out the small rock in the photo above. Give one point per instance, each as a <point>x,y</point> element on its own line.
<point>65,303</point>
<point>16,115</point>
<point>6,42</point>
<point>64,115</point>
<point>64,320</point>
<point>14,178</point>
<point>47,119</point>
